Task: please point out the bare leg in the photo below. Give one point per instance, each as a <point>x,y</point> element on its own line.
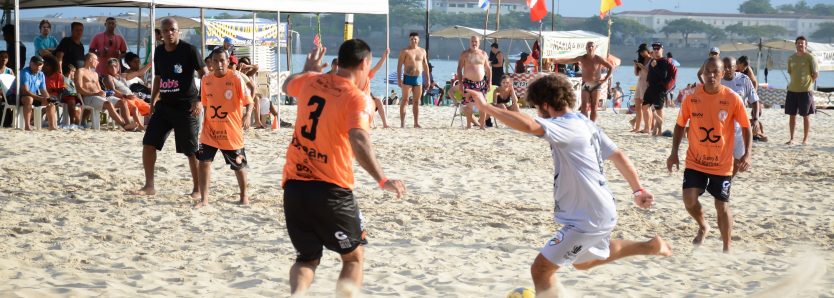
<point>544,274</point>
<point>148,162</point>
<point>350,278</point>
<point>648,118</point>
<point>417,96</point>
<point>725,223</point>
<point>241,182</point>
<point>638,104</point>
<point>625,248</point>
<point>381,110</point>
<point>583,105</point>
<point>658,122</point>
<point>205,178</point>
<point>806,124</point>
<point>195,178</point>
<point>124,111</point>
<point>690,200</point>
<point>403,103</point>
<point>257,112</point>
<point>791,127</point>
<point>301,276</point>
<point>594,100</point>
<point>467,110</point>
<point>26,103</point>
<point>52,117</point>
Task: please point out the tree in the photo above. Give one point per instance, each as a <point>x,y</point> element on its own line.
<point>756,7</point>
<point>685,27</point>
<point>736,29</point>
<point>800,7</point>
<point>825,31</point>
<point>714,34</point>
<point>629,28</point>
<point>823,10</point>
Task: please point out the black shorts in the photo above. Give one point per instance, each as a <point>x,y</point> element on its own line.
<point>717,186</point>
<point>206,153</point>
<point>801,103</point>
<point>321,214</point>
<point>654,97</point>
<point>173,116</point>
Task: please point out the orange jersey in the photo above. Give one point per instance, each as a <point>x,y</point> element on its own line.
<point>329,106</point>
<point>223,99</point>
<point>711,129</point>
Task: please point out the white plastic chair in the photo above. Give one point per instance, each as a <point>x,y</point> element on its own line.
<point>6,81</point>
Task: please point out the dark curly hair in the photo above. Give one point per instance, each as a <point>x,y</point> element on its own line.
<point>553,90</point>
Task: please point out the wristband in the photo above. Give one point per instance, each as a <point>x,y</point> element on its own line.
<point>382,182</point>
<point>638,192</point>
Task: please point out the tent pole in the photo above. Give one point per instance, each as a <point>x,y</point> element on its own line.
<point>254,44</point>
<point>289,46</point>
<point>428,26</point>
<point>498,17</point>
<point>278,61</point>
<point>17,59</point>
<point>202,32</point>
<point>153,40</point>
<point>758,58</point>
<point>486,23</point>
<point>139,33</point>
<point>387,70</point>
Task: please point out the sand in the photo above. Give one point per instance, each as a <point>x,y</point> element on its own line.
<point>479,206</point>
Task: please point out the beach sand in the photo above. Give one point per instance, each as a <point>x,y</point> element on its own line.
<point>479,206</point>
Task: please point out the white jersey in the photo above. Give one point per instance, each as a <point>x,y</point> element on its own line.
<point>743,86</point>
<point>579,149</point>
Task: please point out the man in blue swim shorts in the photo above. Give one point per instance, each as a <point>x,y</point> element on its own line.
<point>410,65</point>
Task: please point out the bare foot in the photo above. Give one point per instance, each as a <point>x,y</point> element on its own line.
<point>805,142</point>
<point>144,191</point>
<point>661,247</point>
<point>244,201</point>
<point>699,238</point>
<point>195,194</point>
<point>643,131</point>
<point>417,125</point>
<point>201,204</point>
<point>790,142</point>
<point>385,126</point>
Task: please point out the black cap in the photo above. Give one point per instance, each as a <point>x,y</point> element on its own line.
<point>657,44</point>
<point>37,59</point>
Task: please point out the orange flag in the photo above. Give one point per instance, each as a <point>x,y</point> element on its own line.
<point>606,5</point>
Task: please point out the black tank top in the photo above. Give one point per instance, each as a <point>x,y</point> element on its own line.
<point>497,72</point>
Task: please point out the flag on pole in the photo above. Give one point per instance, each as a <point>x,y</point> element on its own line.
<point>483,4</point>
<point>538,10</point>
<point>607,5</point>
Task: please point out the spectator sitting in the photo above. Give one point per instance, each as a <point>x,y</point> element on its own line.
<point>137,76</point>
<point>504,97</point>
<point>45,43</point>
<point>393,97</point>
<point>526,64</point>
<point>88,86</point>
<point>70,96</point>
<point>33,93</point>
<point>131,105</point>
<point>54,78</point>
<point>4,58</point>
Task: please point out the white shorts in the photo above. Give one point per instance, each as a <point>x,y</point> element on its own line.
<point>738,145</point>
<point>264,102</point>
<point>97,102</point>
<point>570,246</point>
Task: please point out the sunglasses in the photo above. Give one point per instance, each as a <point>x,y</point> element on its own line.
<point>656,48</point>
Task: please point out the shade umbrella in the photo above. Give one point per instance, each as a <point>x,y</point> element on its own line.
<point>460,32</point>
<point>738,46</point>
<point>182,22</point>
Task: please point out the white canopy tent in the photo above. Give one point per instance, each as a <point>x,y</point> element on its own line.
<point>557,44</point>
<point>459,32</point>
<point>292,6</point>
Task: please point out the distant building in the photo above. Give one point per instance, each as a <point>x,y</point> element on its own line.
<point>795,24</point>
<point>471,6</point>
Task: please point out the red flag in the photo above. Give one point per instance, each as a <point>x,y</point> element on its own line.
<point>538,10</point>
<point>317,40</point>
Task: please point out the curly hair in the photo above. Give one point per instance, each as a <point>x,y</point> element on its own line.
<point>553,90</point>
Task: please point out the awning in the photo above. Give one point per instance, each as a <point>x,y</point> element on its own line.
<point>459,32</point>
<point>514,34</point>
<point>313,6</point>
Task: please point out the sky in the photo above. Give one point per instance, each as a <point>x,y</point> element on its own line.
<point>570,8</point>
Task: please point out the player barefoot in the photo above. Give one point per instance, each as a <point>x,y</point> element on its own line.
<point>223,98</point>
<point>584,204</point>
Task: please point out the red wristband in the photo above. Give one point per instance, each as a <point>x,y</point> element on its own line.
<point>639,192</point>
<point>382,182</point>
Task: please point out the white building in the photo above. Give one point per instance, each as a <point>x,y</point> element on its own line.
<point>795,24</point>
<point>471,6</point>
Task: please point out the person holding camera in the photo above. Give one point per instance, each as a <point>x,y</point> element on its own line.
<point>33,94</point>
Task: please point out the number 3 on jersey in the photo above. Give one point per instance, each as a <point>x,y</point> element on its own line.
<point>314,116</point>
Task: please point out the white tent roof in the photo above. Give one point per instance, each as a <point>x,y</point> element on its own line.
<point>572,34</point>
<point>514,34</point>
<point>459,32</point>
<point>323,6</point>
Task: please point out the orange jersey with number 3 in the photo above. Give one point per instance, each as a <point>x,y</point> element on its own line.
<point>711,129</point>
<point>329,106</point>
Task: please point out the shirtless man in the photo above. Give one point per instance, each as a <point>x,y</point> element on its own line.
<point>591,65</point>
<point>410,66</point>
<point>474,68</point>
<point>87,83</point>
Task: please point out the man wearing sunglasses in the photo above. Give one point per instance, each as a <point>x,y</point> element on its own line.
<point>108,45</point>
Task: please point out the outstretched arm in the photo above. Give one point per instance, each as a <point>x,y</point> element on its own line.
<point>567,60</point>
<point>133,74</point>
<point>381,61</point>
<point>642,197</point>
<point>516,120</point>
<point>313,64</point>
<point>360,142</point>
